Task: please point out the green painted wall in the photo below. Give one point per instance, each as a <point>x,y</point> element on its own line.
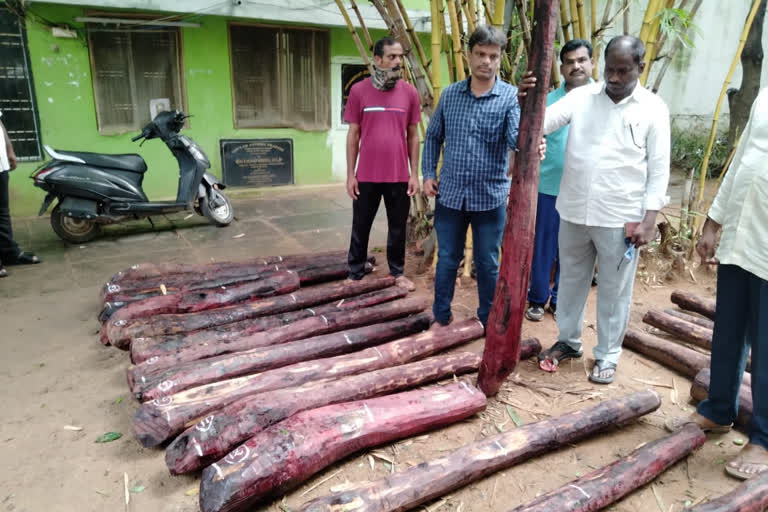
<point>62,79</point>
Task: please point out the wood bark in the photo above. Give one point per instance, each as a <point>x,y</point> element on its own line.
<point>502,342</point>
<point>163,346</point>
<point>692,302</point>
<point>160,418</point>
<point>607,485</point>
<point>700,391</point>
<point>219,433</point>
<point>286,454</point>
<point>750,496</point>
<point>406,490</point>
<point>686,331</point>
<point>677,357</point>
<point>694,319</point>
<point>201,300</point>
<point>304,328</point>
<point>179,323</point>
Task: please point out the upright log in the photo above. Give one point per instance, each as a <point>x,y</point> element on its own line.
<point>218,434</point>
<point>286,454</point>
<point>146,348</point>
<point>692,302</point>
<point>686,331</point>
<point>304,328</point>
<point>303,298</point>
<point>750,496</point>
<point>412,487</point>
<point>607,485</point>
<point>677,357</point>
<point>694,319</point>
<point>502,341</point>
<point>700,391</point>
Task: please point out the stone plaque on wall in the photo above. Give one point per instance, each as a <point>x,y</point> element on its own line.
<point>257,162</point>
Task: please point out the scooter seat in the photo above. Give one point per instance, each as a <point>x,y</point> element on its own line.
<point>127,162</point>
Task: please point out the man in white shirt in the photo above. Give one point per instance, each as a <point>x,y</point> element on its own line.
<point>614,183</point>
<point>740,208</point>
<point>10,254</point>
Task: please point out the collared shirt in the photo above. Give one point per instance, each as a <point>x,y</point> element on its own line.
<point>616,158</point>
<point>551,170</point>
<point>478,132</point>
<point>741,204</point>
<point>4,164</point>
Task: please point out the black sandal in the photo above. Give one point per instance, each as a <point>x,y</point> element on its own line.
<point>3,272</point>
<point>24,258</point>
<point>565,351</point>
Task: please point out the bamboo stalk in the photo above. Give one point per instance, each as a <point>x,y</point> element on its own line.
<point>498,14</point>
<point>488,12</point>
<point>436,47</point>
<point>458,62</point>
<point>446,41</point>
<point>366,34</point>
<point>596,38</point>
<point>355,37</point>
<point>472,12</point>
<point>648,19</point>
<point>414,39</point>
<point>468,14</point>
<point>675,48</point>
<point>650,48</point>
<point>520,48</point>
<point>575,19</point>
<point>626,17</point>
<point>555,72</point>
<point>524,24</point>
<point>564,22</point>
<point>582,19</point>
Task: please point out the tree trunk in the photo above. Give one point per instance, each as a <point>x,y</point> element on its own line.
<point>677,357</point>
<point>700,391</point>
<point>740,100</point>
<point>304,328</point>
<point>607,485</point>
<point>302,298</point>
<point>174,412</point>
<point>502,342</point>
<point>163,346</point>
<point>686,331</point>
<point>201,300</point>
<point>419,484</point>
<point>694,319</point>
<point>691,302</point>
<point>218,434</point>
<point>750,496</point>
<point>288,453</point>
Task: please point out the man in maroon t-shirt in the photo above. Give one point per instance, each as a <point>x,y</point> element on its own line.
<point>383,113</point>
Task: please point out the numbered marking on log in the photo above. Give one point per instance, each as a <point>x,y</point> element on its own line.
<point>166,385</point>
<point>205,424</point>
<point>464,385</point>
<point>120,323</point>
<point>113,288</point>
<point>152,360</point>
<point>164,401</point>
<point>580,490</point>
<point>237,455</point>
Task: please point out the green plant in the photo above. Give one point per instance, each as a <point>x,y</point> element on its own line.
<point>688,149</point>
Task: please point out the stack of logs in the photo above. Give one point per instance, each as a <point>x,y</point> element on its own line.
<point>691,328</point>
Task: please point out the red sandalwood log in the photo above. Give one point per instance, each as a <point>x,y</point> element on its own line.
<point>301,329</point>
<point>219,433</point>
<point>750,496</point>
<point>407,489</point>
<point>286,454</point>
<point>694,319</point>
<point>691,302</point>
<point>677,357</point>
<point>190,322</point>
<point>502,339</point>
<point>146,348</point>
<point>686,331</point>
<point>700,391</point>
<point>607,485</point>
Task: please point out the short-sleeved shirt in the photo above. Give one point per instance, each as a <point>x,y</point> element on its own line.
<point>383,117</point>
<point>4,164</point>
<point>551,170</point>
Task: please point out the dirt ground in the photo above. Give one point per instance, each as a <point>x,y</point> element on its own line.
<point>54,374</point>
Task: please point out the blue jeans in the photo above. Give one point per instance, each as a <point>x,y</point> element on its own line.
<point>741,321</point>
<point>545,252</point>
<point>451,227</point>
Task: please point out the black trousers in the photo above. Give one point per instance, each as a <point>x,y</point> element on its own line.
<point>364,208</point>
<point>8,247</point>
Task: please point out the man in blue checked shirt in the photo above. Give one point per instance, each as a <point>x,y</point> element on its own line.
<point>477,120</point>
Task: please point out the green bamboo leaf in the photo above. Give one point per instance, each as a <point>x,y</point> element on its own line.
<point>108,437</point>
<point>514,416</point>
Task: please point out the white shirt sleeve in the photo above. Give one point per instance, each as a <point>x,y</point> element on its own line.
<point>558,114</point>
<point>658,144</point>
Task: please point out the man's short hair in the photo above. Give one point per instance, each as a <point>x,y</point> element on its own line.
<point>378,48</point>
<point>575,44</point>
<point>487,34</point>
<point>633,44</point>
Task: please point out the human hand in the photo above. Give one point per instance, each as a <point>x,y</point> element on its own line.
<point>413,185</point>
<point>543,148</point>
<point>430,187</point>
<point>527,82</point>
<point>12,161</point>
<point>352,189</point>
<point>706,244</point>
<point>644,233</point>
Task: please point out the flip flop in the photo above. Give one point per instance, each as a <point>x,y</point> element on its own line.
<point>742,475</point>
<point>601,365</point>
<point>24,258</point>
<point>549,363</point>
<point>675,424</point>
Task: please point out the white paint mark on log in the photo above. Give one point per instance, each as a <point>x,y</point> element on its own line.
<point>580,490</point>
<point>481,324</point>
<point>340,303</point>
<point>349,341</point>
<point>381,356</point>
<point>237,455</point>
<point>368,411</point>
<point>464,385</point>
<point>197,447</point>
<point>218,470</point>
<point>293,297</point>
<point>205,424</point>
<point>312,311</point>
<point>325,319</point>
<point>500,446</point>
<point>281,258</point>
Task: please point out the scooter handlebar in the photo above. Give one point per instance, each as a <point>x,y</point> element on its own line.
<point>139,136</point>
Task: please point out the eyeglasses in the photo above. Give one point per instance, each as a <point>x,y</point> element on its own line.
<point>628,255</point>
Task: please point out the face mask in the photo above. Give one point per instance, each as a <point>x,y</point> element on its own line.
<point>385,79</point>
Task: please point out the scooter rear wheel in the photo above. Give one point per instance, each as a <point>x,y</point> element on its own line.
<point>221,215</point>
<point>75,231</point>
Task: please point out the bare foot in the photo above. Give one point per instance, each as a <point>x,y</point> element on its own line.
<point>752,460</point>
<point>705,424</point>
<point>404,282</point>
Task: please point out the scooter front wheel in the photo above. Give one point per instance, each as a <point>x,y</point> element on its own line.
<point>75,231</point>
<point>220,215</point>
